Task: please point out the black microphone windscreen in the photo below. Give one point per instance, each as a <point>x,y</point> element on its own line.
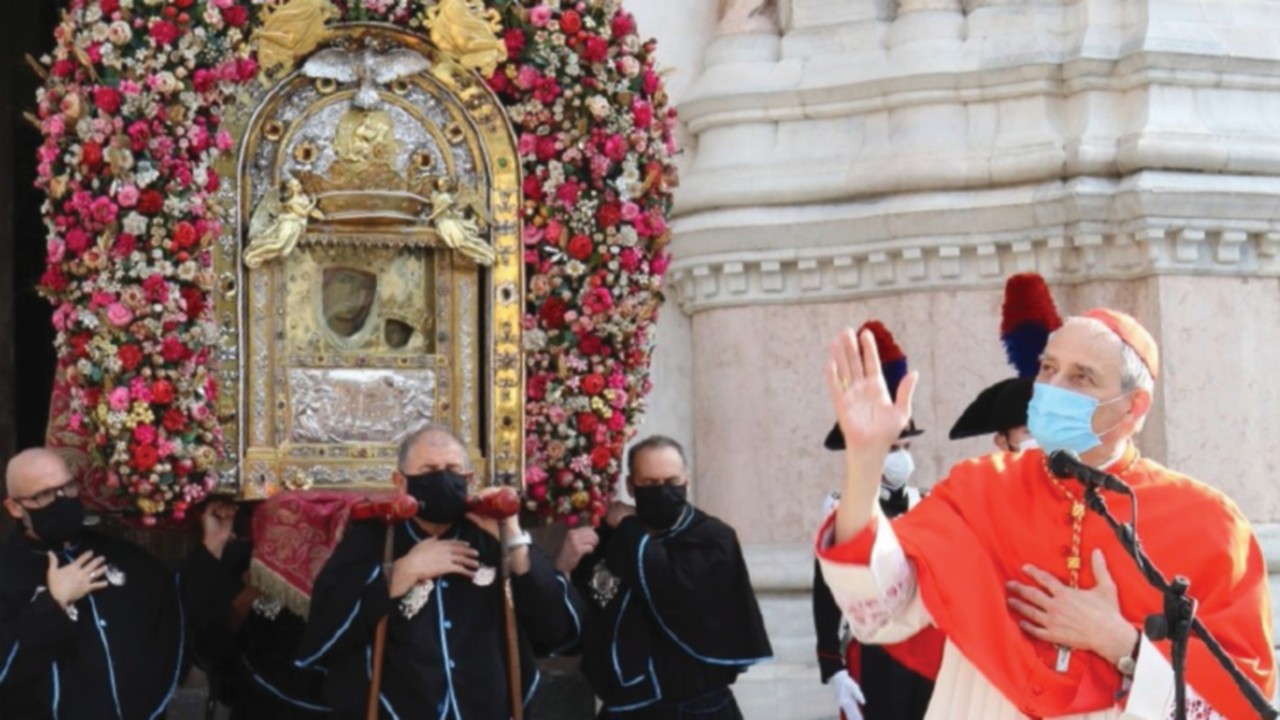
<point>1061,463</point>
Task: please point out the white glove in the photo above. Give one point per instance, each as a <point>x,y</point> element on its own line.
<point>848,695</point>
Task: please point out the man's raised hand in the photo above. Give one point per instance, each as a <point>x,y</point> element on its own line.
<point>869,418</point>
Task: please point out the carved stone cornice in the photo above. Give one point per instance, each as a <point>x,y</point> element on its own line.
<point>1085,229</point>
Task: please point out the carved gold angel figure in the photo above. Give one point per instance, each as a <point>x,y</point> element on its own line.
<point>468,34</point>
<point>277,227</point>
<point>291,31</point>
<point>449,206</point>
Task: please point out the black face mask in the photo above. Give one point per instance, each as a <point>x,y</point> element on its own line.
<point>660,506</point>
<point>443,495</point>
<point>59,522</point>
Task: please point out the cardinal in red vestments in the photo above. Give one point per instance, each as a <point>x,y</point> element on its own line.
<point>1040,605</point>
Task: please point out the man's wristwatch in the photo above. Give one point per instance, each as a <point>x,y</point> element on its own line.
<point>524,539</point>
<point>1128,664</point>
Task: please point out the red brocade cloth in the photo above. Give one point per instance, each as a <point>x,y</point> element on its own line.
<point>294,533</point>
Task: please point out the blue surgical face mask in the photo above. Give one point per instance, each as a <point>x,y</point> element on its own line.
<point>1061,419</point>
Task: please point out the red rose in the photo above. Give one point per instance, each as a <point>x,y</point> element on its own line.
<point>109,6</point>
<point>164,33</point>
<point>236,15</point>
<point>596,50</point>
<point>514,38</point>
<point>173,350</point>
<point>174,421</point>
<point>130,357</point>
<point>184,235</point>
<point>590,345</point>
<point>204,80</point>
<point>622,24</point>
<point>125,245</point>
<point>80,345</point>
<point>157,289</point>
<point>54,279</point>
<point>552,313</point>
<point>532,188</point>
<point>600,458</point>
<point>546,149</point>
<point>537,387</point>
<point>144,457</point>
<point>150,202</point>
<point>609,215</point>
<point>91,155</point>
<point>194,300</point>
<point>162,392</point>
<point>107,99</point>
<point>77,241</point>
<point>571,22</point>
<point>580,247</point>
<point>593,384</point>
<point>587,423</point>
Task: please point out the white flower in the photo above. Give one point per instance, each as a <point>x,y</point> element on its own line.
<point>135,224</point>
<point>598,106</point>
<point>630,66</point>
<point>120,32</point>
<point>575,268</point>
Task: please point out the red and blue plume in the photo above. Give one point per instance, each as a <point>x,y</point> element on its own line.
<point>893,362</point>
<point>1028,317</point>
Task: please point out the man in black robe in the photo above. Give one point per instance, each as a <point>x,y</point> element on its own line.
<point>446,636</point>
<point>90,626</point>
<point>245,641</point>
<point>673,618</point>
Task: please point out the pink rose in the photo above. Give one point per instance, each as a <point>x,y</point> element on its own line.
<point>55,250</point>
<point>118,400</point>
<point>658,265</point>
<point>615,148</point>
<point>127,196</point>
<point>540,15</point>
<point>528,143</point>
<point>104,211</point>
<point>568,193</point>
<point>526,77</point>
<point>597,301</point>
<point>556,414</point>
<point>144,435</point>
<point>617,422</point>
<point>119,315</point>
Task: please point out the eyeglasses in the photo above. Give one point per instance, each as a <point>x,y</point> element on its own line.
<point>68,489</point>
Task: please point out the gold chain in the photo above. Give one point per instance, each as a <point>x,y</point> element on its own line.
<point>1078,511</point>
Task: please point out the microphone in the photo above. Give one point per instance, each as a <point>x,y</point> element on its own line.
<point>1065,463</point>
<point>499,505</point>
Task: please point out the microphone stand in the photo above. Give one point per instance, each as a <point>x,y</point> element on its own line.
<point>1178,621</point>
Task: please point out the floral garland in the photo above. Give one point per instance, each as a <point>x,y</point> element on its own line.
<point>131,123</point>
<point>130,115</point>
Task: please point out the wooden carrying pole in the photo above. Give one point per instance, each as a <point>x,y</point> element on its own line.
<point>516,692</point>
<point>380,634</point>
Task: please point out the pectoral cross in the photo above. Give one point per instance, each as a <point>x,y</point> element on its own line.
<point>1064,659</point>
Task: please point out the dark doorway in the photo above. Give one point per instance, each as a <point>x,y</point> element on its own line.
<point>26,333</point>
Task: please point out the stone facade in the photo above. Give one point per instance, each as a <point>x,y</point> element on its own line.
<point>897,159</point>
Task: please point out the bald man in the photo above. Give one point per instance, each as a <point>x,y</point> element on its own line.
<point>90,626</point>
<point>444,603</point>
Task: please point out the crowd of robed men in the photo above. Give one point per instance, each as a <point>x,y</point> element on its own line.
<point>996,586</point>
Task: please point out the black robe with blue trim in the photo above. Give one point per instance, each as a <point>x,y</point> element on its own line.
<point>119,660</point>
<point>254,665</point>
<point>684,621</point>
<point>447,662</point>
